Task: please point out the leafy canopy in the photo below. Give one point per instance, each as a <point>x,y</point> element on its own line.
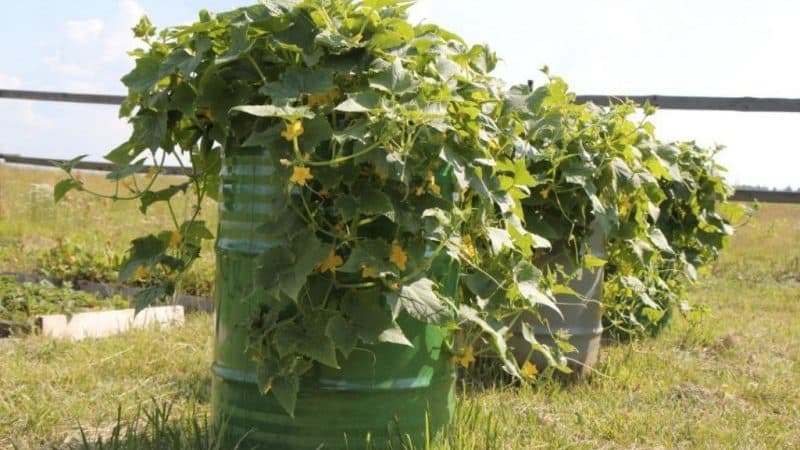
<point>394,171</point>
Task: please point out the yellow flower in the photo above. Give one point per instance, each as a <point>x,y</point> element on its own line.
<point>467,246</point>
<point>140,273</point>
<point>529,370</point>
<point>174,238</point>
<point>367,272</point>
<point>293,130</point>
<point>330,263</point>
<point>300,175</point>
<point>398,256</point>
<point>545,193</point>
<point>433,186</point>
<point>466,357</point>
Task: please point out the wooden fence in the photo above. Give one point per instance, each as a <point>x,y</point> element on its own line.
<point>743,104</point>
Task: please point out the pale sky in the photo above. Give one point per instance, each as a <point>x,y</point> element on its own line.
<point>675,47</point>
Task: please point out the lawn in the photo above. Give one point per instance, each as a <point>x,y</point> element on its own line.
<point>730,381</point>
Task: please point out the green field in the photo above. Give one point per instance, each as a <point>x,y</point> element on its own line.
<point>730,381</point>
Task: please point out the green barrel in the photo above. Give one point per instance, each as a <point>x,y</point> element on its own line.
<point>384,393</point>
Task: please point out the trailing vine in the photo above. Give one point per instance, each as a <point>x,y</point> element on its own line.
<point>661,207</point>
<point>394,172</point>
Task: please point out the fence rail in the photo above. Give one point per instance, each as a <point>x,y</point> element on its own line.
<point>741,195</point>
<point>83,165</point>
<point>62,97</point>
<point>744,104</point>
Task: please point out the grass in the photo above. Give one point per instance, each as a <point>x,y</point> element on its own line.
<point>730,381</point>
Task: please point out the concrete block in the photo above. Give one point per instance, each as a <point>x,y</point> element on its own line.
<point>99,324</point>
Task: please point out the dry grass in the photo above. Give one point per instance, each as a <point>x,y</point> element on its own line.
<point>31,223</point>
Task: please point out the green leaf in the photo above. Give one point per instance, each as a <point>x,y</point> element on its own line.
<point>308,251</point>
<point>481,285</point>
<point>216,95</point>
<point>394,80</point>
<point>270,138</point>
<point>298,81</point>
<point>528,279</point>
<point>361,102</point>
<point>182,99</point>
<point>356,131</point>
<point>144,252</point>
<point>458,163</point>
<point>286,337</point>
<point>347,207</point>
<point>125,153</point>
<point>148,297</point>
<point>144,28</point>
<point>239,43</point>
<point>145,75</point>
<point>122,172</point>
<point>395,335</point>
<point>150,197</point>
<point>499,239</point>
<point>394,33</point>
<point>284,112</point>
<point>68,166</point>
<point>446,68</point>
<point>176,59</point>
<point>593,262</point>
<point>64,186</point>
<point>368,312</point>
<point>496,337</point>
<point>285,390</point>
<point>373,253</point>
<point>315,132</point>
<point>149,129</point>
<point>374,202</point>
<point>335,42</point>
<point>194,232</point>
<point>342,333</point>
<point>419,300</point>
<point>660,241</point>
<point>377,4</point>
<point>319,347</point>
<point>287,268</point>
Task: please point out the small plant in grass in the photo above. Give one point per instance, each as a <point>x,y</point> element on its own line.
<point>70,262</point>
<point>392,151</point>
<point>22,303</point>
